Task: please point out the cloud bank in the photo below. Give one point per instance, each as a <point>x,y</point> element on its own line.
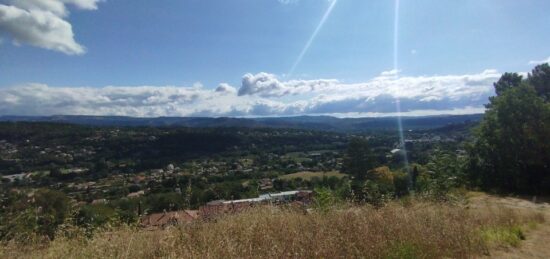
<point>42,23</point>
<point>261,94</point>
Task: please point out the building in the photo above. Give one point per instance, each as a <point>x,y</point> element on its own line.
<point>165,219</point>
<point>215,208</point>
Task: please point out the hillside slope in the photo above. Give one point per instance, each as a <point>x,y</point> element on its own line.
<point>536,243</point>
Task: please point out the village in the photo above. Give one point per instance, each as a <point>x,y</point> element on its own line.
<point>131,174</point>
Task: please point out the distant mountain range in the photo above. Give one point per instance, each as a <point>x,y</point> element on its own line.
<point>298,122</point>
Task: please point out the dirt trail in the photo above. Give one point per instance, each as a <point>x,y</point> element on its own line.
<point>537,242</point>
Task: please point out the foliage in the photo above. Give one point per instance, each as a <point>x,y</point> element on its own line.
<point>503,235</point>
<point>443,173</point>
<point>359,158</point>
<point>401,183</point>
<point>37,214</point>
<point>512,149</point>
<point>539,78</point>
<point>165,202</point>
<point>324,199</point>
<point>507,81</point>
<point>374,194</point>
<point>93,216</point>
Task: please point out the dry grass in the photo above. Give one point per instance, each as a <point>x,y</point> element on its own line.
<point>416,230</point>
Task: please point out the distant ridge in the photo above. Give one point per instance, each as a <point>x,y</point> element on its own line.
<point>298,122</point>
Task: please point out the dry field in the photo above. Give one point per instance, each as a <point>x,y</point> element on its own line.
<point>411,229</point>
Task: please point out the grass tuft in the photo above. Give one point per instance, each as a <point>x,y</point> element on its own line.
<point>503,236</point>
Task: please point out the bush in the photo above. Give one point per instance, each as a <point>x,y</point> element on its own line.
<point>37,214</point>
<point>93,216</point>
<point>324,199</point>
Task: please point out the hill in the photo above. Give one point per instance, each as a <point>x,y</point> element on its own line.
<point>299,122</point>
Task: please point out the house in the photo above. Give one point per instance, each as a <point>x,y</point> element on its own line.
<point>214,208</point>
<point>135,194</point>
<point>219,207</point>
<point>165,219</point>
<point>265,183</point>
<point>99,201</point>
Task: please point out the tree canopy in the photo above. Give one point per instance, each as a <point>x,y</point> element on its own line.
<point>358,159</point>
<point>512,148</point>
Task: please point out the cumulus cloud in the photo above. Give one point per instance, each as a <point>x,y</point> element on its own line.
<point>537,62</point>
<point>267,85</point>
<point>261,94</point>
<point>387,83</point>
<point>42,23</point>
<point>225,88</point>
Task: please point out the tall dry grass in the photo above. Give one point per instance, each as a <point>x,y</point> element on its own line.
<point>416,230</point>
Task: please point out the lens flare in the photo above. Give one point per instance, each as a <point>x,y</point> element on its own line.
<point>312,38</point>
<point>397,101</point>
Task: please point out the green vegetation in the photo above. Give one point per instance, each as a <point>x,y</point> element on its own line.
<point>33,215</point>
<point>64,186</point>
<point>308,176</point>
<point>359,158</point>
<point>507,235</point>
<point>511,152</point>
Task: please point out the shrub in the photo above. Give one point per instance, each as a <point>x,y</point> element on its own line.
<point>324,199</point>
<point>503,235</point>
<point>37,214</point>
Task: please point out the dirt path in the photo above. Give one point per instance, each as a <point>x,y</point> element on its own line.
<point>537,242</point>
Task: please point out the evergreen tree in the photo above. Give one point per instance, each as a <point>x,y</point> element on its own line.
<point>358,159</point>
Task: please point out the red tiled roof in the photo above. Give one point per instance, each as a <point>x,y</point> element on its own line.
<point>169,218</point>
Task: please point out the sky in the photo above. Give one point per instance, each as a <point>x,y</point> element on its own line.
<point>263,57</point>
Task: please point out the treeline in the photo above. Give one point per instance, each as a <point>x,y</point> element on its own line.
<point>143,148</point>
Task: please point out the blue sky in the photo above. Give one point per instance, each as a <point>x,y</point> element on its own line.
<point>181,51</point>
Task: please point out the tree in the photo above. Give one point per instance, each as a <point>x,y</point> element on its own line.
<point>511,152</point>
<point>507,81</point>
<point>93,216</point>
<point>414,176</point>
<point>445,171</point>
<point>358,159</point>
<point>539,78</point>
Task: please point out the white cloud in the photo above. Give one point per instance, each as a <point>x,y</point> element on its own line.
<point>225,88</point>
<point>261,94</point>
<point>268,85</point>
<point>537,62</point>
<point>42,23</point>
<point>388,83</point>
